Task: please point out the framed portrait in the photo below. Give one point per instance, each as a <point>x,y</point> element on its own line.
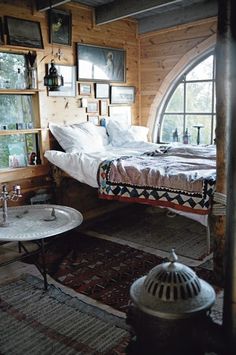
<point>85,89</point>
<point>103,107</point>
<point>60,27</point>
<point>100,63</point>
<point>102,91</point>
<point>122,95</point>
<point>1,32</point>
<point>92,107</point>
<point>24,33</point>
<point>69,88</point>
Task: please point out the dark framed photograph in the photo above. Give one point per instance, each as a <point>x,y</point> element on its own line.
<point>102,91</point>
<point>100,63</point>
<point>1,32</point>
<point>85,89</point>
<point>122,95</point>
<point>69,88</point>
<point>60,27</point>
<point>24,33</point>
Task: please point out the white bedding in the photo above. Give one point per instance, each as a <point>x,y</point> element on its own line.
<point>87,146</point>
<point>83,166</point>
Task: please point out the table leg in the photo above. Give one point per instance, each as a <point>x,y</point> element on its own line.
<point>44,272</point>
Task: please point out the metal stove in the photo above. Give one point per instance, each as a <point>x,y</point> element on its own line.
<point>170,310</point>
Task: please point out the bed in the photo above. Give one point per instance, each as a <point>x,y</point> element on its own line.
<point>122,165</point>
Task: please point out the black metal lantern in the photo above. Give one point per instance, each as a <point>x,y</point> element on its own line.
<point>53,80</point>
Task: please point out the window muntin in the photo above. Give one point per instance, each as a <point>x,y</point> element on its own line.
<point>191,102</point>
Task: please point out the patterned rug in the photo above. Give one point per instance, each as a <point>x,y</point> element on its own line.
<point>37,322</point>
<point>100,269</point>
<point>154,228</point>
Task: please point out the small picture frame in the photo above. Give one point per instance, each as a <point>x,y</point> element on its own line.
<point>94,120</point>
<point>122,95</point>
<point>92,107</point>
<point>85,89</point>
<point>103,107</point>
<point>102,91</point>
<point>23,33</point>
<point>1,33</point>
<point>68,73</point>
<point>60,27</point>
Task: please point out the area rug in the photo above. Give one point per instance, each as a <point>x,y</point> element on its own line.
<point>34,321</point>
<point>155,228</point>
<point>100,269</point>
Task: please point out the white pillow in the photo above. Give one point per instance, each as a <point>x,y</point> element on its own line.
<point>120,133</point>
<point>78,137</point>
<point>140,132</point>
<point>99,132</point>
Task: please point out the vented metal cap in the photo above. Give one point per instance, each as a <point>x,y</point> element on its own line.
<point>172,290</point>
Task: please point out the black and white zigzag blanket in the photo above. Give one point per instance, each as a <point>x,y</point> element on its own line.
<point>180,178</point>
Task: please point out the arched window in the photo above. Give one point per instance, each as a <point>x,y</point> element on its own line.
<point>189,113</point>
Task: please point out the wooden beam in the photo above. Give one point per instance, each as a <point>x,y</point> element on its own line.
<point>179,16</point>
<point>119,9</point>
<point>43,5</point>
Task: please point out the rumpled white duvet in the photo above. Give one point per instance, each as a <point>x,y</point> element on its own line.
<point>83,166</point>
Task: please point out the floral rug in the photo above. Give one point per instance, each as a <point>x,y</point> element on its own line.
<point>101,269</point>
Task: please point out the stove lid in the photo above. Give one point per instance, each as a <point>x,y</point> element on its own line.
<point>172,290</point>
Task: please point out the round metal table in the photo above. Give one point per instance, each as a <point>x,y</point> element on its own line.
<point>35,223</point>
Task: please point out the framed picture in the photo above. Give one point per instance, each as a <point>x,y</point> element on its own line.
<point>122,94</point>
<point>102,91</point>
<point>94,120</point>
<point>100,63</point>
<point>103,108</point>
<point>60,27</point>
<point>1,33</point>
<point>69,88</point>
<point>92,107</point>
<point>85,89</point>
<point>24,33</point>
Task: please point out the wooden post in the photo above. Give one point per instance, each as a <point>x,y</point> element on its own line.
<point>226,129</point>
<point>217,223</point>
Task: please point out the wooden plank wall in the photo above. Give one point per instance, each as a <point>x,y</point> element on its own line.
<point>160,53</point>
<point>120,34</point>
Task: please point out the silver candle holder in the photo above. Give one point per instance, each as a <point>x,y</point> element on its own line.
<point>5,196</point>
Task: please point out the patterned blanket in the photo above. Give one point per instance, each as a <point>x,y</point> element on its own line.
<point>181,178</point>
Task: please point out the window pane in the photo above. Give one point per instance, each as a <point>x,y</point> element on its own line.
<point>16,109</point>
<point>170,124</point>
<point>28,141</point>
<point>205,131</point>
<point>202,71</point>
<point>12,67</point>
<point>176,103</point>
<point>199,97</point>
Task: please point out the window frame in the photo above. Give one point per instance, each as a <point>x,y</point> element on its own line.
<point>182,79</point>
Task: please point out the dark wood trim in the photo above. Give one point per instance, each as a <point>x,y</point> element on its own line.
<point>44,5</point>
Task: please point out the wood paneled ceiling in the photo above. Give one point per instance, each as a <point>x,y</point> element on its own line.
<point>151,14</point>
